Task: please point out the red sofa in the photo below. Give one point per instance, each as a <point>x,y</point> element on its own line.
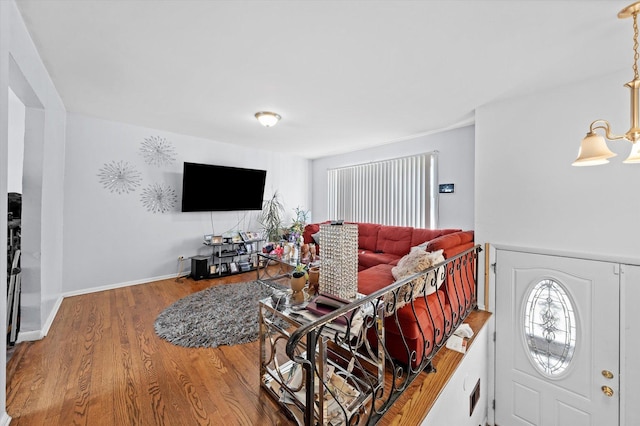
<point>414,330</point>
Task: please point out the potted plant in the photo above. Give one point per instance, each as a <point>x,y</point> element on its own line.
<point>298,282</point>
<point>295,231</point>
<point>301,217</point>
<point>271,218</point>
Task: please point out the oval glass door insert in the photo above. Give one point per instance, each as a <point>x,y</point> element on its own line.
<point>550,327</point>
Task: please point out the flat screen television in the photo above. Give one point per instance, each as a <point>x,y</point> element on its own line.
<point>208,187</point>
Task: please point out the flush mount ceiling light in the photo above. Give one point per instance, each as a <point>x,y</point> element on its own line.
<point>593,149</point>
<point>268,119</point>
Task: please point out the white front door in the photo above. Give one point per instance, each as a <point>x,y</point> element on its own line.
<point>557,341</point>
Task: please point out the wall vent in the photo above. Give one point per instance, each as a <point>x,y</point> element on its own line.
<point>474,398</point>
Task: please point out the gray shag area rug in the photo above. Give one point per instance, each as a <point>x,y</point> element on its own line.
<point>225,314</point>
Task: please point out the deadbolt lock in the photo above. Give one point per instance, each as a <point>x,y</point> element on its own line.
<point>608,374</point>
<point>607,391</point>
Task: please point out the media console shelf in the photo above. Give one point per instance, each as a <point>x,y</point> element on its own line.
<point>232,257</point>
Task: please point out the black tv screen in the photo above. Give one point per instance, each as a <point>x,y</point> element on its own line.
<point>207,187</point>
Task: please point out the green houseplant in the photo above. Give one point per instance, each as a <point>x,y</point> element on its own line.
<point>297,282</point>
<point>300,270</point>
<point>271,218</point>
<point>297,226</point>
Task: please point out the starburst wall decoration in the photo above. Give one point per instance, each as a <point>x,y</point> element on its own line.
<point>157,151</point>
<point>159,198</point>
<point>119,177</point>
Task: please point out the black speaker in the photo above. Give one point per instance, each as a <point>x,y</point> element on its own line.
<point>199,267</point>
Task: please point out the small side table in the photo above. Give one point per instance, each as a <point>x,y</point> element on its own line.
<point>350,376</point>
<point>285,265</point>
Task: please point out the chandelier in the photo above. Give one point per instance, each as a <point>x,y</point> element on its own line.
<point>593,149</point>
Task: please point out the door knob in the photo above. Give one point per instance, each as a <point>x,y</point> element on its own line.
<point>607,391</point>
<point>607,374</point>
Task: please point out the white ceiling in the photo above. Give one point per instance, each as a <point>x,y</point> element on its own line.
<point>344,75</point>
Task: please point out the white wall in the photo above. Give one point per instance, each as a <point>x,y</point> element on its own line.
<point>455,165</point>
<point>111,240</point>
<point>16,143</point>
<point>528,194</point>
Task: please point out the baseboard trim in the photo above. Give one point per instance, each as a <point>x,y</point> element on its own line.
<point>29,336</point>
<point>52,316</point>
<point>5,419</point>
<point>120,285</point>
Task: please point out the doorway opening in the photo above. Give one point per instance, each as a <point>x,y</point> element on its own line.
<point>27,122</point>
<point>15,162</point>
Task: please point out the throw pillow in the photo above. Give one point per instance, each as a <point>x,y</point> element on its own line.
<point>417,260</point>
<point>421,246</point>
<point>316,237</point>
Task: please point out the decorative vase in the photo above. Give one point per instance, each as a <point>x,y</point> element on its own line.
<point>297,283</point>
<point>286,251</point>
<point>295,252</point>
<point>304,253</point>
<point>314,279</point>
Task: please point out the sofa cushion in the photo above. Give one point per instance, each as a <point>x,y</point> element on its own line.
<point>421,235</point>
<point>460,281</point>
<point>421,332</point>
<point>452,244</point>
<point>452,251</point>
<point>367,259</point>
<point>466,237</point>
<point>394,239</point>
<point>443,242</point>
<point>373,279</point>
<point>423,315</point>
<point>309,231</point>
<point>368,236</point>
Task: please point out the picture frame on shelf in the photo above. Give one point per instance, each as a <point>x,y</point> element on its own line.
<point>213,269</point>
<point>207,238</point>
<point>233,267</point>
<point>216,239</point>
<point>244,236</point>
<point>223,268</point>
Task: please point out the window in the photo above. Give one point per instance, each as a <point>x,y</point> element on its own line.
<point>400,191</point>
<point>550,327</point>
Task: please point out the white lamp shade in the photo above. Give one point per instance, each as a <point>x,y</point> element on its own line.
<point>593,151</point>
<point>634,155</point>
<point>267,119</point>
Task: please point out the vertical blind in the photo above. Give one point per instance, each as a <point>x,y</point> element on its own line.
<point>400,191</point>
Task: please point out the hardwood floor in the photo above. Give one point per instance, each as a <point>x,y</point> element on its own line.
<point>102,364</point>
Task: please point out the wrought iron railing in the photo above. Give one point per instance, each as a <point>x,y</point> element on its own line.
<point>364,355</point>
